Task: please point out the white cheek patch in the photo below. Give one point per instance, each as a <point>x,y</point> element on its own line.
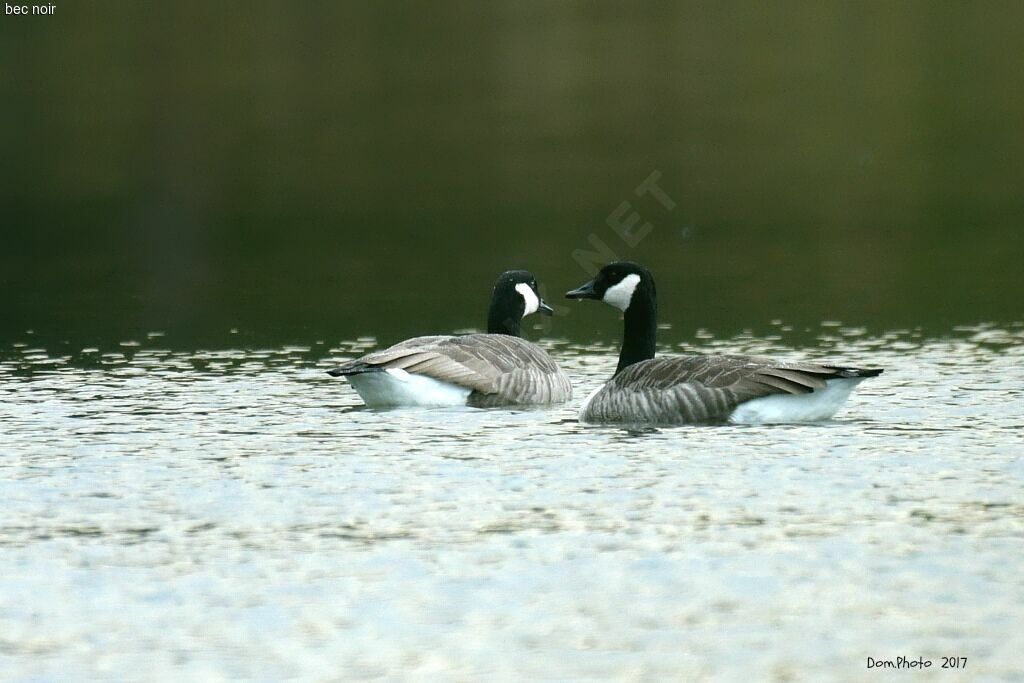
<point>529,298</point>
<point>621,294</point>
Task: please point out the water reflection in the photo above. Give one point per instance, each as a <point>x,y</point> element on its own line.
<point>239,507</point>
<point>326,170</point>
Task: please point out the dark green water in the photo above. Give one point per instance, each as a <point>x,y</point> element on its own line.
<point>315,170</point>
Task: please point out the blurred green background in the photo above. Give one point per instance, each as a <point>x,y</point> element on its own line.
<point>327,170</point>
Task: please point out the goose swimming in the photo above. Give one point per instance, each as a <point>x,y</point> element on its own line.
<point>498,368</point>
<point>687,389</point>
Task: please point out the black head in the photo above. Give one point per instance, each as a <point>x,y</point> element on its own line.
<point>515,296</point>
<point>629,288</point>
<point>616,285</point>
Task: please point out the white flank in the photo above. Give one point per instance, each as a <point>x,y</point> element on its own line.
<point>529,297</point>
<point>820,404</point>
<point>621,294</point>
<point>396,387</point>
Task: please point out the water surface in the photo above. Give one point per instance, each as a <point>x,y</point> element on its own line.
<point>233,513</point>
<point>296,171</point>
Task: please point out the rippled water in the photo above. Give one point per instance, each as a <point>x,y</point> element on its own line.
<point>223,514</point>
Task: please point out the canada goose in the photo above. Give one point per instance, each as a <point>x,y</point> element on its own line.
<point>684,389</point>
<point>493,369</point>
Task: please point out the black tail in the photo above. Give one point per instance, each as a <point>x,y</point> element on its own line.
<point>858,372</point>
<point>353,368</point>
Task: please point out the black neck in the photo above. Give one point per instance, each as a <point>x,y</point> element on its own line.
<point>640,328</point>
<point>503,317</point>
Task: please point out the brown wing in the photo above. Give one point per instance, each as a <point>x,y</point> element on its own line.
<point>682,389</point>
<point>500,369</point>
